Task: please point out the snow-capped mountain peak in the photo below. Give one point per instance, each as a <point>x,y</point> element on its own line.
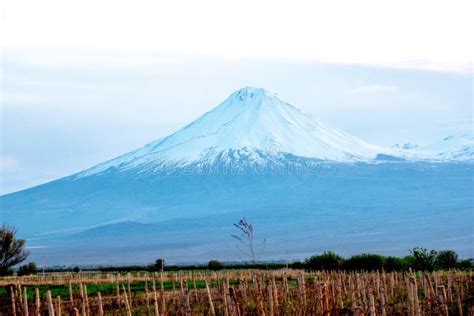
<point>249,120</point>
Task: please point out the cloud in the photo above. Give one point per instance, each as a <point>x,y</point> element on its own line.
<point>35,247</point>
<point>371,32</point>
<point>90,59</point>
<point>373,89</point>
<point>460,126</point>
<point>462,67</point>
<point>9,164</point>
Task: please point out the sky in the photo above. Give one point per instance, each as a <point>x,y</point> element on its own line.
<point>83,81</point>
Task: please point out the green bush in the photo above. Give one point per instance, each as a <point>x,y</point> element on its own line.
<point>409,262</point>
<point>6,272</point>
<point>215,265</point>
<point>423,260</point>
<point>364,261</point>
<point>446,259</point>
<point>327,261</point>
<point>464,265</point>
<point>297,265</point>
<point>158,265</point>
<point>391,264</point>
<point>27,269</point>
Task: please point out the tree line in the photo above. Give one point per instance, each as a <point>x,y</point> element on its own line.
<point>13,252</point>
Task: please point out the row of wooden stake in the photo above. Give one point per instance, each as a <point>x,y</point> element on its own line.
<point>320,293</point>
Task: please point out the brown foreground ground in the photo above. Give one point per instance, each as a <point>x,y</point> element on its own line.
<point>245,292</point>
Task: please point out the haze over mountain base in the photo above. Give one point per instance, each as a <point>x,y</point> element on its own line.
<point>383,208</point>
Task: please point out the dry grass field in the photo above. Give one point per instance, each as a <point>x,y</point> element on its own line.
<point>241,292</point>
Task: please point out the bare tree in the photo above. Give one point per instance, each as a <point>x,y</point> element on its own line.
<point>12,250</point>
<point>246,239</point>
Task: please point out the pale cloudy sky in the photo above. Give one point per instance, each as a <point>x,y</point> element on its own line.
<point>84,81</point>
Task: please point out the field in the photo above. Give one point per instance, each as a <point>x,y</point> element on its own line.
<point>240,292</point>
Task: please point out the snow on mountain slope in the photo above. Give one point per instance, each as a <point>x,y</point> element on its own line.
<point>458,148</point>
<point>250,120</point>
<point>453,147</point>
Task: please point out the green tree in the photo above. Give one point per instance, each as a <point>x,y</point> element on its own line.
<point>215,265</point>
<point>423,260</point>
<point>159,265</point>
<point>446,259</point>
<point>327,261</point>
<point>27,269</point>
<point>12,250</point>
<point>364,261</point>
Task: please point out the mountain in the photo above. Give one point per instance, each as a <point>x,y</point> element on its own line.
<point>453,148</point>
<point>306,187</point>
<point>251,123</point>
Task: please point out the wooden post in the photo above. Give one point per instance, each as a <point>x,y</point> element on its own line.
<point>83,300</point>
<point>49,301</point>
<point>147,297</point>
<point>411,296</point>
<point>129,290</point>
<point>260,307</point>
<point>227,293</point>
<point>275,292</point>
<point>320,296</point>
<point>127,305</point>
<point>20,294</point>
<point>25,302</point>
<point>416,301</point>
<point>162,292</point>
<point>195,288</point>
<point>371,304</point>
<point>224,297</point>
<point>12,298</point>
<point>243,287</point>
<point>382,302</point>
<point>37,302</point>
<point>392,284</point>
<point>326,309</point>
<point>211,304</point>
<point>101,308</point>
<point>270,298</point>
<point>302,287</point>
<point>86,295</point>
<point>58,306</point>
<point>352,293</point>
<point>442,300</point>
<point>155,298</point>
<point>71,298</point>
<point>459,305</point>
<point>234,302</point>
<point>185,293</point>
